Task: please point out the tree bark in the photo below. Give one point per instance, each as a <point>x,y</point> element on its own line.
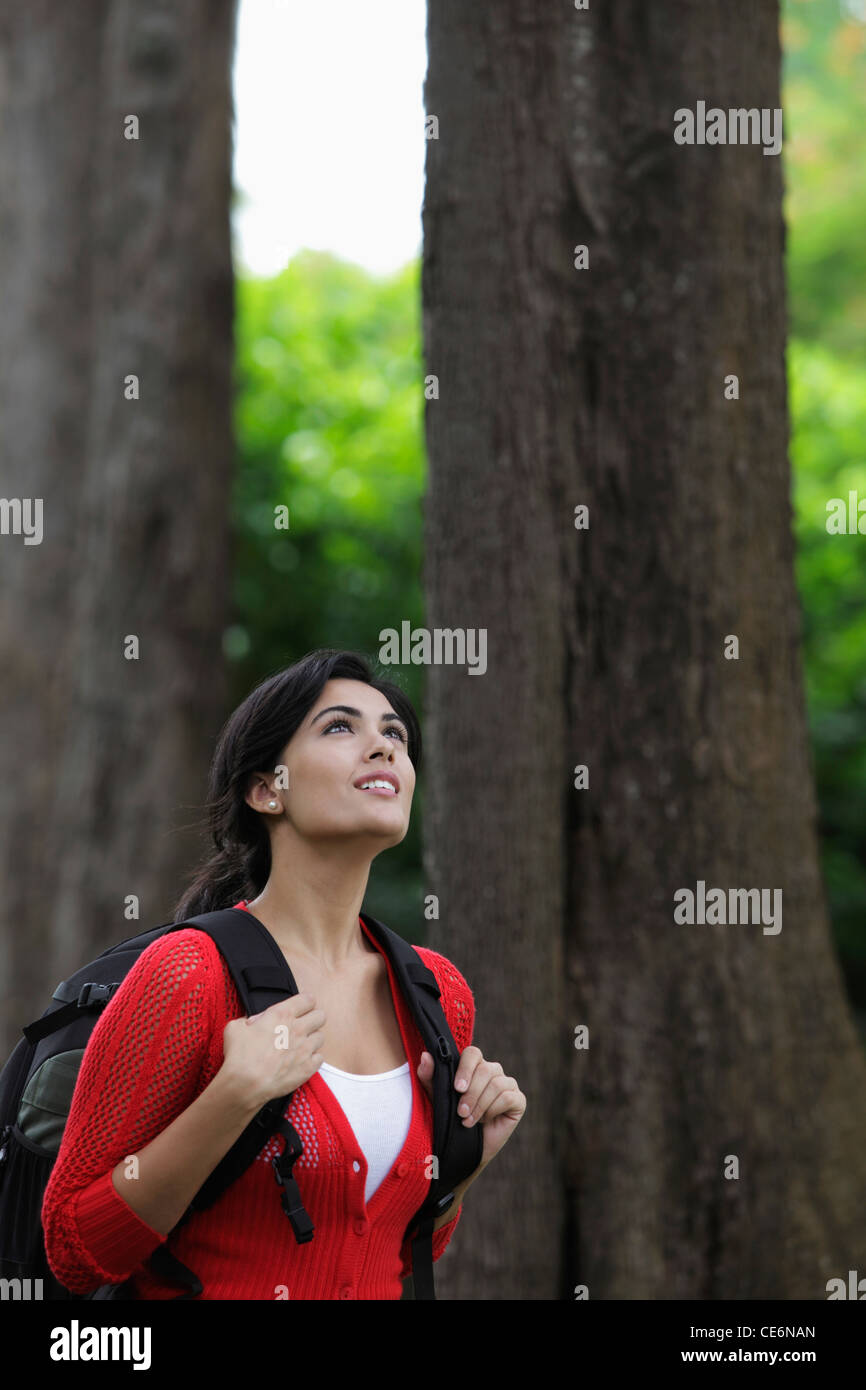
<point>116,261</point>
<point>606,647</point>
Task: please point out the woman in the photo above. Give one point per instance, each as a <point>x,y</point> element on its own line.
<point>312,777</point>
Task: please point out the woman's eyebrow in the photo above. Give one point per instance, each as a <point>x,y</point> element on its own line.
<point>347,709</point>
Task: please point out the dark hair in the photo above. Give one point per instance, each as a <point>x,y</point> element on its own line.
<point>251,741</point>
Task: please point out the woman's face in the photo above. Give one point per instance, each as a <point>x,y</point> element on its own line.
<point>332,753</point>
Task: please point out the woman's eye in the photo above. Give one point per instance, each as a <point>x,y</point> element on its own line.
<point>344,724</point>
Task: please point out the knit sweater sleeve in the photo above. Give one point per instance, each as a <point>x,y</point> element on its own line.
<point>458,1004</point>
<point>141,1068</point>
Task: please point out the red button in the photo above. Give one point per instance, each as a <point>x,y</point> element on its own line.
<point>359,1226</point>
<point>402,1169</point>
<point>346,1292</point>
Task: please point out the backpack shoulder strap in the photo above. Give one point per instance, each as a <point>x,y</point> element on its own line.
<point>457,1151</point>
<point>261,976</point>
<point>258,967</point>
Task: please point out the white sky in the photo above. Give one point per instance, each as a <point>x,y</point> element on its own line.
<point>329,131</point>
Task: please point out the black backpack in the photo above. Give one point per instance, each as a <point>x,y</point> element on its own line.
<point>38,1080</point>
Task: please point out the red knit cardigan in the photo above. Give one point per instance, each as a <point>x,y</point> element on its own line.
<point>155,1047</point>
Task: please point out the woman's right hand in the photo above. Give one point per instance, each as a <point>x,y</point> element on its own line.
<point>272,1053</point>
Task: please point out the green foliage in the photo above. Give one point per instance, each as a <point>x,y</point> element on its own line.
<point>329,421</point>
<point>824,102</point>
<point>828,407</point>
<point>824,97</point>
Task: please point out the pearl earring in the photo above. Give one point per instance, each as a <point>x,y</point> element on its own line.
<point>273,805</point>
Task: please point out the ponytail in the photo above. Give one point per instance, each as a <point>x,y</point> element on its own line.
<point>222,881</point>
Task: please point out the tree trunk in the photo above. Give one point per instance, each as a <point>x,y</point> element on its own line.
<point>606,647</point>
<point>116,262</point>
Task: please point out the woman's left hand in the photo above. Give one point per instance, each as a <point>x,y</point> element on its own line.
<point>493,1099</point>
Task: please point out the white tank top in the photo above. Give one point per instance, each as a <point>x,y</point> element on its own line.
<point>379,1110</point>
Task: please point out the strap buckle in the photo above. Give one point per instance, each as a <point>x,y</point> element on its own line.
<point>93,993</point>
<point>290,1196</point>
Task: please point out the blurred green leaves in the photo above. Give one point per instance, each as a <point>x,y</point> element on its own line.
<point>824,95</point>
<point>329,414</point>
<point>828,454</point>
<point>329,419</point>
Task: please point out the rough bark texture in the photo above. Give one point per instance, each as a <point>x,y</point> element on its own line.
<point>114,260</point>
<point>606,647</point>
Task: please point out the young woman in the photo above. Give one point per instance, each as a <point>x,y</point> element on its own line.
<point>312,777</point>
